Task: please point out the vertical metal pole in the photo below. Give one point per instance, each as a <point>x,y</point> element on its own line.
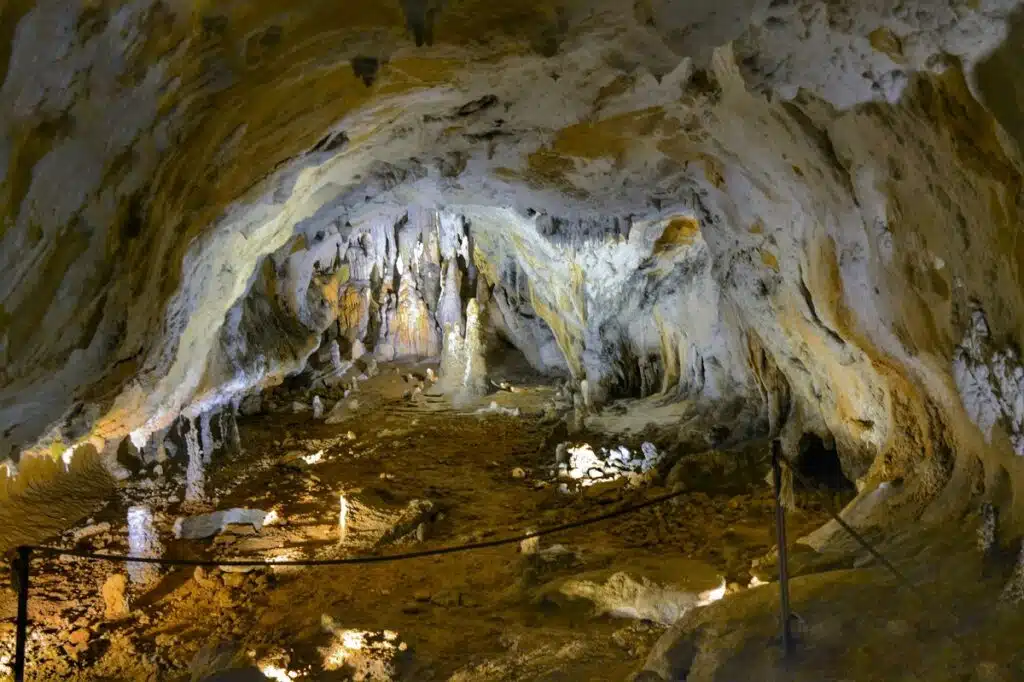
<point>22,573</point>
<point>780,535</point>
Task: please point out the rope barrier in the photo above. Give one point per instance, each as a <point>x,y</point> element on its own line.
<point>23,560</point>
<point>860,539</point>
<point>24,555</point>
<point>366,559</point>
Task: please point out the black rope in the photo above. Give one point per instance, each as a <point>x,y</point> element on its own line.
<point>81,554</point>
<point>849,529</point>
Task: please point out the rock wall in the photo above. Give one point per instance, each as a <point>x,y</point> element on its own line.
<point>806,208</point>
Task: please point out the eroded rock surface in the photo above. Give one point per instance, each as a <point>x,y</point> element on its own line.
<point>711,222</point>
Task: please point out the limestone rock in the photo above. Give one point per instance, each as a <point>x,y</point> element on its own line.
<point>115,597</point>
<point>807,209</point>
<point>80,636</point>
<point>207,525</point>
<point>624,596</point>
<point>661,592</point>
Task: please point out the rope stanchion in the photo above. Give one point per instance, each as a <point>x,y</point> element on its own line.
<point>860,539</point>
<point>21,575</point>
<point>780,534</point>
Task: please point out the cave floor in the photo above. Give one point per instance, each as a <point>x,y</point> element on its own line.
<point>492,614</point>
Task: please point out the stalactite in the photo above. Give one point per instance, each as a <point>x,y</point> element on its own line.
<point>449,306</point>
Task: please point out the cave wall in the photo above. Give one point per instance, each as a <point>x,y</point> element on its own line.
<point>659,198</point>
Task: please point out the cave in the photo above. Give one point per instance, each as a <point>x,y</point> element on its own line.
<point>469,329</point>
<point>819,465</point>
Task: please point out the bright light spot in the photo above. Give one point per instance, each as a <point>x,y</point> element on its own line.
<point>288,555</point>
<point>352,639</point>
<point>278,674</point>
<point>587,466</point>
<point>66,457</point>
<point>139,439</point>
<point>714,595</point>
<point>315,458</point>
<point>757,582</point>
<point>271,518</point>
<point>381,646</point>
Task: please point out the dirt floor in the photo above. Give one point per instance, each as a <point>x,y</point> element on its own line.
<point>414,475</point>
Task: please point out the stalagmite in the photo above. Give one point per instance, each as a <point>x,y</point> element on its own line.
<point>195,474</point>
<point>318,407</point>
<point>206,437</point>
<point>463,372</point>
<point>142,542</point>
<point>358,350</point>
<point>342,519</point>
<point>335,351</point>
<point>228,426</point>
<point>474,379</point>
<point>224,418</point>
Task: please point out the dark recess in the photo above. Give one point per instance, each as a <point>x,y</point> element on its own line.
<point>330,142</point>
<point>820,465</point>
<point>366,68</point>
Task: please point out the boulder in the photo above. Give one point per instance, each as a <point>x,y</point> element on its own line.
<point>661,592</point>
<point>208,525</point>
<point>115,596</point>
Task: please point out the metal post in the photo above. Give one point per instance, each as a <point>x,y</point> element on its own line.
<point>21,566</point>
<point>780,534</point>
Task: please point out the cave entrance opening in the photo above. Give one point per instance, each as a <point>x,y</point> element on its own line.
<point>818,463</point>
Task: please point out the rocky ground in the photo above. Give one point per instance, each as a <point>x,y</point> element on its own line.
<point>414,473</point>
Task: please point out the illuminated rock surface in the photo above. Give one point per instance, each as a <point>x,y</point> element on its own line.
<point>710,222</point>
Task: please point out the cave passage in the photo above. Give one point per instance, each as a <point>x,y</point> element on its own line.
<point>353,277</point>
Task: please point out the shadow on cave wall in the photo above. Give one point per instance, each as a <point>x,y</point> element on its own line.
<point>1000,80</point>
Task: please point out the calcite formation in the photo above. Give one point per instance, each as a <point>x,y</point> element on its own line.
<point>143,541</point>
<point>797,207</point>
